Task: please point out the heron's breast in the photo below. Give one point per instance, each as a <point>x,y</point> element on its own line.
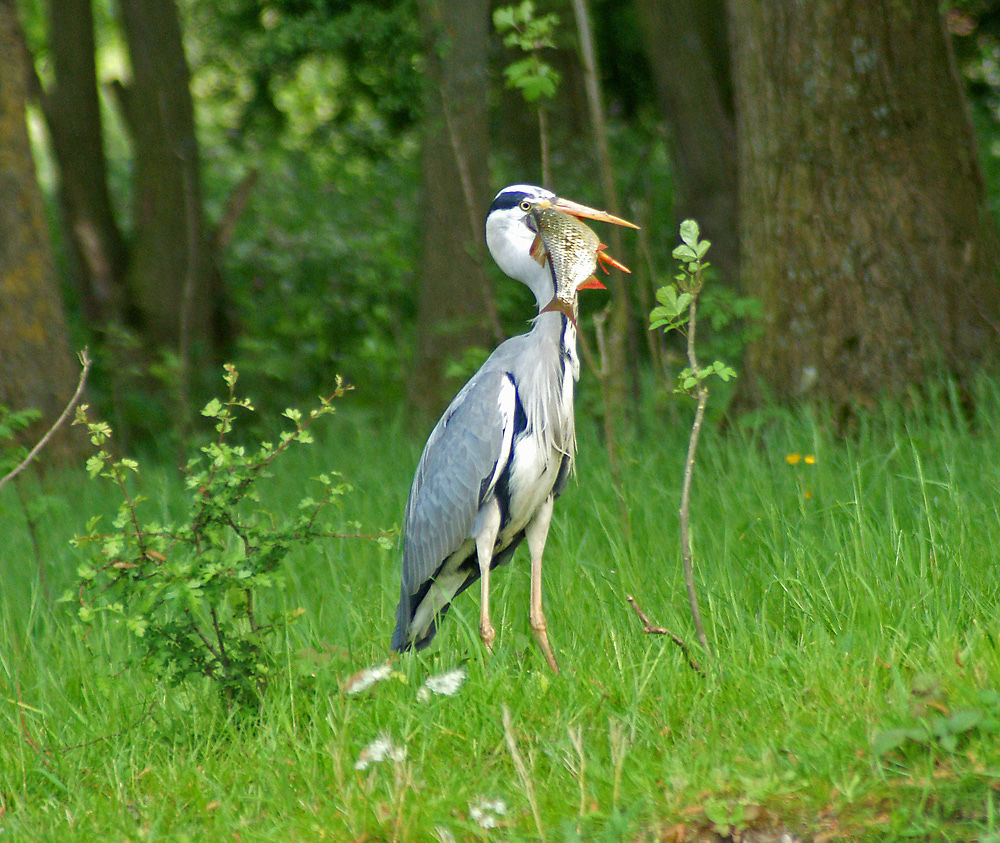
<point>533,475</point>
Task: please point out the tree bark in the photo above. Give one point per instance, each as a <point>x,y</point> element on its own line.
<point>171,279</point>
<point>73,115</point>
<point>863,224</point>
<point>686,45</point>
<point>455,301</point>
<point>36,366</point>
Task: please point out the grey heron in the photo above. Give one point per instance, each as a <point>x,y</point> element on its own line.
<point>504,448</point>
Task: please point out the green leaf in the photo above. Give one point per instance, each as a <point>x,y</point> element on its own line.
<point>667,296</point>
<point>684,253</point>
<point>503,18</point>
<point>965,719</point>
<point>213,409</point>
<point>889,740</point>
<point>690,232</point>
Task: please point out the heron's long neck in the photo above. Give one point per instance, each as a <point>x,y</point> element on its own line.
<point>549,383</point>
<point>558,331</point>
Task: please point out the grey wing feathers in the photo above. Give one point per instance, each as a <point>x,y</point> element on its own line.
<point>462,452</point>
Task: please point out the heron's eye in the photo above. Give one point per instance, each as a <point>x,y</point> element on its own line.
<point>525,205</point>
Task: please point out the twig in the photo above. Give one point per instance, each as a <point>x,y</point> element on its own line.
<point>618,309</point>
<point>650,629</point>
<point>543,136</point>
<point>521,768</point>
<point>143,717</point>
<point>85,361</point>
<point>684,511</point>
<point>236,203</point>
<point>471,210</point>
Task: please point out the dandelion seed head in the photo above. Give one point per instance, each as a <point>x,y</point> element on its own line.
<point>446,684</point>
<point>364,679</point>
<point>378,750</point>
<point>486,812</point>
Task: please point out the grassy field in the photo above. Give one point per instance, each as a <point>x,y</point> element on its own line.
<point>850,593</point>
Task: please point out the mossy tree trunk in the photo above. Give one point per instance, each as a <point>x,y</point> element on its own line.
<point>73,115</point>
<point>455,302</point>
<point>863,226</point>
<point>171,278</point>
<point>689,59</point>
<point>36,366</point>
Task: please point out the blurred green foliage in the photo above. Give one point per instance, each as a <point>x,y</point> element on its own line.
<point>322,100</point>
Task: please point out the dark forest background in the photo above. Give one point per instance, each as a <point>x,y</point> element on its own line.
<point>301,187</point>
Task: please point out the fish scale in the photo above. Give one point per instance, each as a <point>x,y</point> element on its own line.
<point>571,245</point>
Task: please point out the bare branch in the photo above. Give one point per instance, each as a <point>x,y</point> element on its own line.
<point>86,362</point>
<point>236,203</point>
<point>650,629</point>
<point>684,512</point>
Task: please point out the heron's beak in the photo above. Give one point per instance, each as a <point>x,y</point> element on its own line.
<point>583,212</point>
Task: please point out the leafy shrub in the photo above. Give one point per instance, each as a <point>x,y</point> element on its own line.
<point>190,592</point>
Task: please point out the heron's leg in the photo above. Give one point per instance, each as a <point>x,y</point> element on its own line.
<point>535,534</point>
<point>486,537</point>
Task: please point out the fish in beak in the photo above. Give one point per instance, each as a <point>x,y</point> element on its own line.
<point>575,209</point>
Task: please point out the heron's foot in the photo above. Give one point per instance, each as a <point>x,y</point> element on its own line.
<point>542,637</point>
<point>487,633</point>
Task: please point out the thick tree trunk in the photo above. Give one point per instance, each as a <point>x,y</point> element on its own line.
<point>863,225</point>
<point>171,279</point>
<point>455,300</point>
<point>686,45</point>
<point>36,366</point>
<point>73,115</point>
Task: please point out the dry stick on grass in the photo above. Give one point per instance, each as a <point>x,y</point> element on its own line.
<point>650,629</point>
<point>85,361</point>
<point>521,768</point>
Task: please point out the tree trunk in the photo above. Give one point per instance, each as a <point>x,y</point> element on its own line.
<point>686,45</point>
<point>455,301</point>
<point>171,279</point>
<point>73,116</point>
<point>36,366</point>
<point>863,224</point>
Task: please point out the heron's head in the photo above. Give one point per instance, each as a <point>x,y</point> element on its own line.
<point>511,234</point>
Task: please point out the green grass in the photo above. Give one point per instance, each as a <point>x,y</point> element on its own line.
<point>843,599</point>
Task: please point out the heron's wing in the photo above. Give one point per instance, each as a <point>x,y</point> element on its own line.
<point>464,455</point>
